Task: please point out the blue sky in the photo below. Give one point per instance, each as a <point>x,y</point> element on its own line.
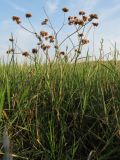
<point>108,11</point>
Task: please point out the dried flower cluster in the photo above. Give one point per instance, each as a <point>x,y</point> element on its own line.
<point>95,24</point>
<point>11,39</point>
<point>82,13</point>
<point>34,51</point>
<point>56,46</point>
<point>43,33</point>
<point>93,16</point>
<point>26,54</point>
<point>45,21</point>
<point>52,39</point>
<point>16,19</point>
<point>45,47</point>
<point>75,20</point>
<point>10,51</point>
<point>80,35</point>
<point>28,15</point>
<point>62,53</point>
<point>65,10</point>
<point>84,41</point>
<point>81,20</point>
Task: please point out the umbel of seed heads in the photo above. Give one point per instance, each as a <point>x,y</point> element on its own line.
<point>45,35</point>
<point>83,19</point>
<point>75,20</point>
<point>80,20</point>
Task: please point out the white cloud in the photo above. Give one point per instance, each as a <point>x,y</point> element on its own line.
<point>52,5</point>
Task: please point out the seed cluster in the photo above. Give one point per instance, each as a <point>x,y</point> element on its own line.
<point>83,19</point>
<point>28,15</point>
<point>79,21</point>
<point>26,54</point>
<point>16,19</point>
<point>45,47</point>
<point>45,21</point>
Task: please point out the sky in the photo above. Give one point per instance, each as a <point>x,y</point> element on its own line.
<point>107,10</point>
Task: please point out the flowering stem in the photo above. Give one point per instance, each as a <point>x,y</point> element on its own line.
<point>73,33</point>
<point>26,29</point>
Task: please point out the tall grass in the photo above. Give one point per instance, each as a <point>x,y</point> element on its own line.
<point>65,113</point>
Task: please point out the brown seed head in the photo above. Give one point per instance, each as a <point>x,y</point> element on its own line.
<point>77,50</point>
<point>18,21</point>
<point>10,50</point>
<point>43,46</point>
<point>43,23</point>
<point>75,21</point>
<point>95,24</point>
<point>26,54</point>
<point>43,33</point>
<point>34,50</point>
<point>56,46</point>
<point>71,21</point>
<point>28,15</point>
<point>93,16</point>
<point>81,22</point>
<point>90,19</point>
<point>70,17</point>
<point>85,18</point>
<point>84,41</point>
<point>51,37</point>
<point>52,40</point>
<point>75,17</point>
<point>46,38</point>
<point>62,53</point>
<point>14,18</point>
<point>38,43</point>
<point>46,20</point>
<point>11,39</point>
<point>48,46</point>
<point>65,9</point>
<point>82,13</point>
<point>80,35</point>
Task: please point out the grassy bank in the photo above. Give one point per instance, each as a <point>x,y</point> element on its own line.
<point>61,111</point>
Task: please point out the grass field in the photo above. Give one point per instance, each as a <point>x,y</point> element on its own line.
<point>61,111</point>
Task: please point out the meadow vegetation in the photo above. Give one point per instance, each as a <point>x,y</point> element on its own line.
<point>60,109</point>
